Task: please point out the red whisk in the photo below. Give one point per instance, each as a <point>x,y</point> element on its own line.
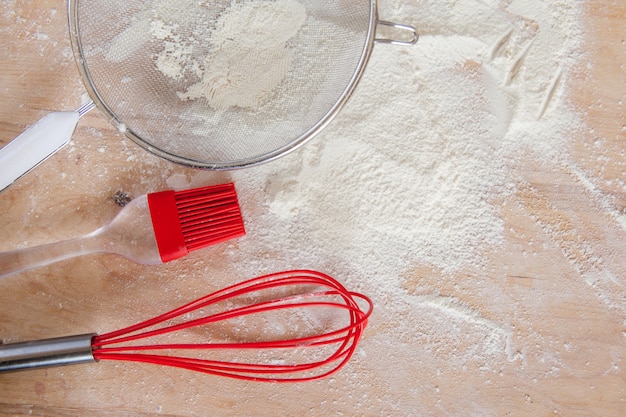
<point>290,326</point>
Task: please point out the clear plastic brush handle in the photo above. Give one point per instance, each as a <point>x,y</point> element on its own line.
<point>129,234</point>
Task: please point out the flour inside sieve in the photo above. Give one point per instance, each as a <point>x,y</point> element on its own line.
<point>249,58</point>
<point>245,58</point>
<point>221,84</point>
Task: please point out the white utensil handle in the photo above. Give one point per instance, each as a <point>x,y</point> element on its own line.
<point>36,144</point>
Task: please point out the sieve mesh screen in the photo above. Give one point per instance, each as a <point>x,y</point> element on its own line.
<point>221,83</point>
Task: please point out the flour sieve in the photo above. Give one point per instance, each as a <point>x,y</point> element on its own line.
<point>215,84</point>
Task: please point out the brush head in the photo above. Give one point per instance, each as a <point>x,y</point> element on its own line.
<point>187,220</point>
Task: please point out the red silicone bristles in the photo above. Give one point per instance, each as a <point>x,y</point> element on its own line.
<point>321,353</point>
<point>188,220</point>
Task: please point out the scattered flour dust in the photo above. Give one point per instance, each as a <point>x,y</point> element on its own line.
<point>414,169</point>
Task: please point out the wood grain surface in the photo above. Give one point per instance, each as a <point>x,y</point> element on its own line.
<point>564,231</point>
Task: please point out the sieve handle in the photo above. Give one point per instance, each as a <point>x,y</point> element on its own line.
<point>35,145</point>
<point>410,35</point>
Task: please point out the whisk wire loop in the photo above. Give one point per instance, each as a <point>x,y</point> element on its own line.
<point>339,341</point>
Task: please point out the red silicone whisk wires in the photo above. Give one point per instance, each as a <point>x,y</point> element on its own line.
<point>318,353</point>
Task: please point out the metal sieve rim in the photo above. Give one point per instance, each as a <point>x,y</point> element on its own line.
<point>297,142</point>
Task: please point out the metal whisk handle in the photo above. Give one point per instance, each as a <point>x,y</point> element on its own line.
<point>46,353</point>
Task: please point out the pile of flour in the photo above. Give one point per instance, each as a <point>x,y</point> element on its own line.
<point>415,168</point>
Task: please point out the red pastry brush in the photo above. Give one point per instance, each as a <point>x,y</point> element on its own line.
<point>151,229</point>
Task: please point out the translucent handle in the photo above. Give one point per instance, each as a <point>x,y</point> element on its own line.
<point>35,145</point>
<point>410,35</point>
<point>130,234</point>
<point>19,260</point>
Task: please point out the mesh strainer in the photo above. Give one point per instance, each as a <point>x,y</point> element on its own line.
<point>222,84</point>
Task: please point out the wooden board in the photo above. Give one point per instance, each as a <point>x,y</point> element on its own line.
<point>565,315</point>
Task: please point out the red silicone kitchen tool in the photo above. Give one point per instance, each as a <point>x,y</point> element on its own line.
<point>151,229</point>
<point>290,326</point>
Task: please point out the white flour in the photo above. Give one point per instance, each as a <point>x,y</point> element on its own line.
<point>246,55</point>
<point>414,170</point>
<point>249,57</point>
